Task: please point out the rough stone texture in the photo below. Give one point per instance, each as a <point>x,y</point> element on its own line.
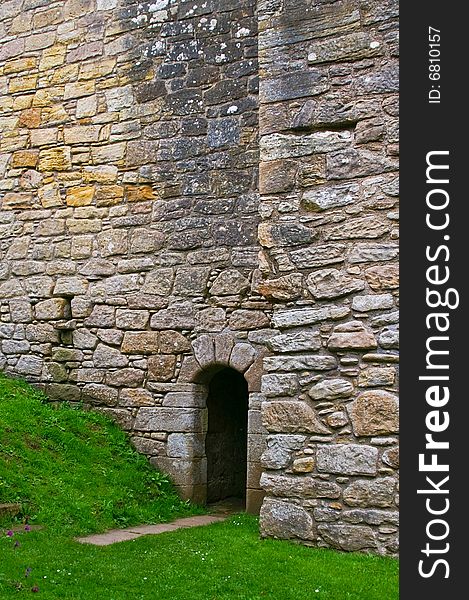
<point>380,493</point>
<point>188,186</point>
<point>375,413</point>
<point>347,459</point>
<point>291,417</point>
<point>285,521</point>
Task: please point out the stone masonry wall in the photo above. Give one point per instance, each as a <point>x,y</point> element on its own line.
<point>145,243</point>
<point>328,183</point>
<point>129,213</point>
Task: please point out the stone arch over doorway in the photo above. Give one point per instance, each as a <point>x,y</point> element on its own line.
<point>218,383</point>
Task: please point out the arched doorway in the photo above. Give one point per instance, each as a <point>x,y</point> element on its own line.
<point>226,439</point>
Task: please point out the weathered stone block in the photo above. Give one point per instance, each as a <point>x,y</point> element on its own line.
<point>20,311</point>
<point>161,367</point>
<point>177,316</point>
<point>324,198</point>
<point>331,283</point>
<point>280,449</point>
<point>373,253</point>
<point>348,537</point>
<point>184,420</point>
<point>291,416</point>
<point>101,316</point>
<point>141,342</point>
<point>159,282</point>
<point>248,319</point>
<point>185,446</point>
<point>191,281</point>
<point>372,302</point>
<point>352,335</point>
<point>381,81</point>
<point>242,356</point>
<point>107,357</point>
<point>29,365</point>
<point>279,146</point>
<point>52,309</point>
<point>304,464</point>
<point>331,389</point>
<point>391,457</point>
<point>305,362</point>
<point>125,378</point>
<point>287,287</point>
<point>298,486</point>
<point>229,282</point>
<point>277,176</point>
<point>132,319</point>
<point>148,446</point>
<point>379,492</point>
<point>99,394</point>
<point>377,376</point>
<point>279,385</point>
<point>70,286</point>
<point>135,398</point>
<point>297,317</point>
<point>383,278</point>
<point>285,520</point>
<point>352,46</point>
<point>375,413</point>
<point>173,342</point>
<point>293,85</point>
<point>55,159</point>
<point>347,459</point>
<point>295,342</point>
<point>389,338</point>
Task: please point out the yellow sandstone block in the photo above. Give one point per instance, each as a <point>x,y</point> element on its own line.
<point>139,193</point>
<point>80,196</point>
<point>11,141</point>
<point>98,68</point>
<point>53,115</point>
<point>19,64</point>
<point>79,89</point>
<point>55,159</point>
<point>109,195</point>
<point>48,96</point>
<point>25,158</point>
<point>64,74</point>
<point>30,117</point>
<point>49,195</point>
<point>101,174</point>
<point>16,200</point>
<point>22,84</point>
<point>22,102</point>
<point>52,57</point>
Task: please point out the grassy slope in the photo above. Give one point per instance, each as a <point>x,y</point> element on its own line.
<point>75,470</point>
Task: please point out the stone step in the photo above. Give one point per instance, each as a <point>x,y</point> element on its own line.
<point>131,533</point>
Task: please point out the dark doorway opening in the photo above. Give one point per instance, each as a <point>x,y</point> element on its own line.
<point>226,440</point>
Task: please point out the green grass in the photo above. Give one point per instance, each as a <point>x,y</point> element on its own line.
<point>75,472</point>
<point>224,561</point>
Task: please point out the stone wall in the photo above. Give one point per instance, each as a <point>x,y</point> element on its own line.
<point>129,213</point>
<point>137,258</point>
<point>328,183</point>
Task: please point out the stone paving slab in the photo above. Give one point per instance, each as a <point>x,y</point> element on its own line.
<point>131,533</point>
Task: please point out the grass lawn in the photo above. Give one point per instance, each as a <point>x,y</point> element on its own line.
<point>75,472</point>
<point>224,561</point>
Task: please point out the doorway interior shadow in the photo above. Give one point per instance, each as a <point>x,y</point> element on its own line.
<point>226,439</point>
